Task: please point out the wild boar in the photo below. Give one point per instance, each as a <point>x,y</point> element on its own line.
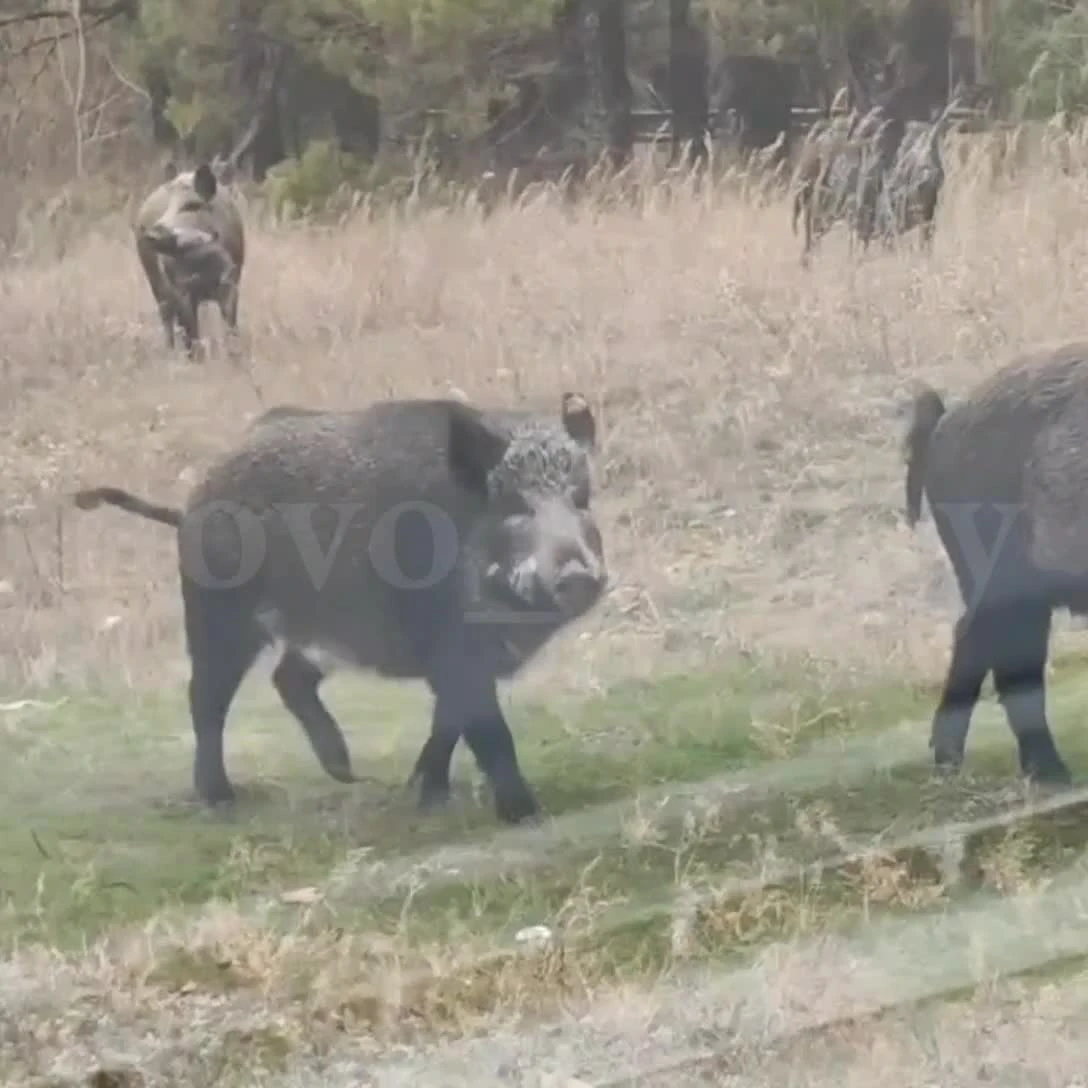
<point>419,539</point>
<point>911,190</point>
<point>1005,474</point>
<point>190,238</point>
<point>880,174</point>
<point>838,176</point>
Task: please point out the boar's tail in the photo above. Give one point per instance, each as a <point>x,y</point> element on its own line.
<point>115,496</point>
<point>927,413</point>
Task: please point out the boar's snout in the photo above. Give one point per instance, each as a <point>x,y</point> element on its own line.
<point>572,590</point>
<point>180,240</point>
<point>558,562</point>
<point>162,238</point>
<point>580,584</point>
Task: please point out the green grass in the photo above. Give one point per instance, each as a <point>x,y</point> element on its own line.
<point>99,831</point>
<point>716,785</point>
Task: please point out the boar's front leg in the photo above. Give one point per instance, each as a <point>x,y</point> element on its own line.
<point>467,704</point>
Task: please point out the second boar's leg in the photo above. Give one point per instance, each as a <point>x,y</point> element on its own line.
<point>1022,636</point>
<point>966,673</point>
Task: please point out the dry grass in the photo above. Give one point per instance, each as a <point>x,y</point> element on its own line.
<point>750,489</point>
<point>750,481</point>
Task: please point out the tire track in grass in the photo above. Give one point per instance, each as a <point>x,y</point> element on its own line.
<point>827,763</point>
<point>824,764</point>
<point>949,846</point>
<point>627,1036</point>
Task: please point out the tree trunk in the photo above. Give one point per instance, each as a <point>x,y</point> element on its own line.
<point>687,83</point>
<point>568,86</point>
<point>157,85</point>
<point>610,94</point>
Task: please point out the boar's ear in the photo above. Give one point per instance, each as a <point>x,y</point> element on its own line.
<point>578,419</point>
<point>474,447</point>
<point>204,182</point>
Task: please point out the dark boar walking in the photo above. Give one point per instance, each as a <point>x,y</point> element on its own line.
<point>416,538</point>
<point>1006,477</point>
<point>190,239</point>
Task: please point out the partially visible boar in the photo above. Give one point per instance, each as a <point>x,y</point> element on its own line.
<point>912,187</point>
<point>881,175</point>
<point>1006,477</point>
<point>421,539</point>
<point>190,239</point>
<point>838,176</point>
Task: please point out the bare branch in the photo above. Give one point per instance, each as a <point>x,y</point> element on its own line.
<point>266,89</point>
<point>81,83</point>
<point>92,18</point>
<point>99,13</point>
<point>122,78</point>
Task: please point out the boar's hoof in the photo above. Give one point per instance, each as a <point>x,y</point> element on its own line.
<point>212,787</point>
<point>433,795</point>
<point>514,802</point>
<point>332,754</point>
<point>217,794</point>
<point>947,745</point>
<point>944,771</point>
<point>340,772</point>
<point>1046,769</point>
<point>947,761</point>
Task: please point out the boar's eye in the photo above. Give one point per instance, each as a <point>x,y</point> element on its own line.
<point>191,206</point>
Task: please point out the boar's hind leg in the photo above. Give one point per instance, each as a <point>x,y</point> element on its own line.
<point>1012,639</point>
<point>297,680</point>
<point>1022,637</point>
<point>467,704</point>
<point>223,643</point>
<point>966,673</point>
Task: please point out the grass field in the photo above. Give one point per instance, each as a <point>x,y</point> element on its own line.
<point>745,857</point>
